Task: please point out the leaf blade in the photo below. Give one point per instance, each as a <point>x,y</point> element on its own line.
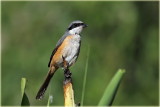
<point>111,89</point>
<point>25,100</point>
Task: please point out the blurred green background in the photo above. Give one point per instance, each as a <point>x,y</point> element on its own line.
<point>120,35</point>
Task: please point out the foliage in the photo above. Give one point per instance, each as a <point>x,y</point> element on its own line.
<point>25,100</point>
<point>111,90</point>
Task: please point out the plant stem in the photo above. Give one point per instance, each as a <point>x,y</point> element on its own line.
<point>85,77</point>
<point>68,90</point>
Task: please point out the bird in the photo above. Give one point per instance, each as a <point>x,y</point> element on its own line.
<point>65,53</point>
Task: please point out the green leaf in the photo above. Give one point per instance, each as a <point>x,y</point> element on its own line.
<point>111,90</point>
<point>25,100</point>
<point>23,85</point>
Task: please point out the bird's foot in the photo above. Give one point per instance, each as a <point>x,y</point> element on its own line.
<point>67,73</point>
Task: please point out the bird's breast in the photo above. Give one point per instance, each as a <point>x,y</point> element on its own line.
<point>72,48</point>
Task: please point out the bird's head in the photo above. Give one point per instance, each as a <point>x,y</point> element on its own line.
<point>76,27</point>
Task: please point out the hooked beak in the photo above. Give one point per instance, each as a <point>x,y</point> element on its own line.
<point>85,25</point>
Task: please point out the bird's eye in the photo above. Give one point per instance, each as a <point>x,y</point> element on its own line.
<point>76,25</point>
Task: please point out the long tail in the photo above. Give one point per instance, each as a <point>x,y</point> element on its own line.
<point>44,86</point>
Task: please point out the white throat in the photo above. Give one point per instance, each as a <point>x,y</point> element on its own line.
<point>76,30</point>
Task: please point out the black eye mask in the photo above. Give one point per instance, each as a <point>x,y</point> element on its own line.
<point>75,25</point>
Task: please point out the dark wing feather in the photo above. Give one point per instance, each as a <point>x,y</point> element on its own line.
<point>53,52</point>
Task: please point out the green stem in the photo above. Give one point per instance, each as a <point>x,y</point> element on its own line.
<point>85,76</point>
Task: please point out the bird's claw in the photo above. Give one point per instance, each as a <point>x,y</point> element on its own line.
<point>67,73</point>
